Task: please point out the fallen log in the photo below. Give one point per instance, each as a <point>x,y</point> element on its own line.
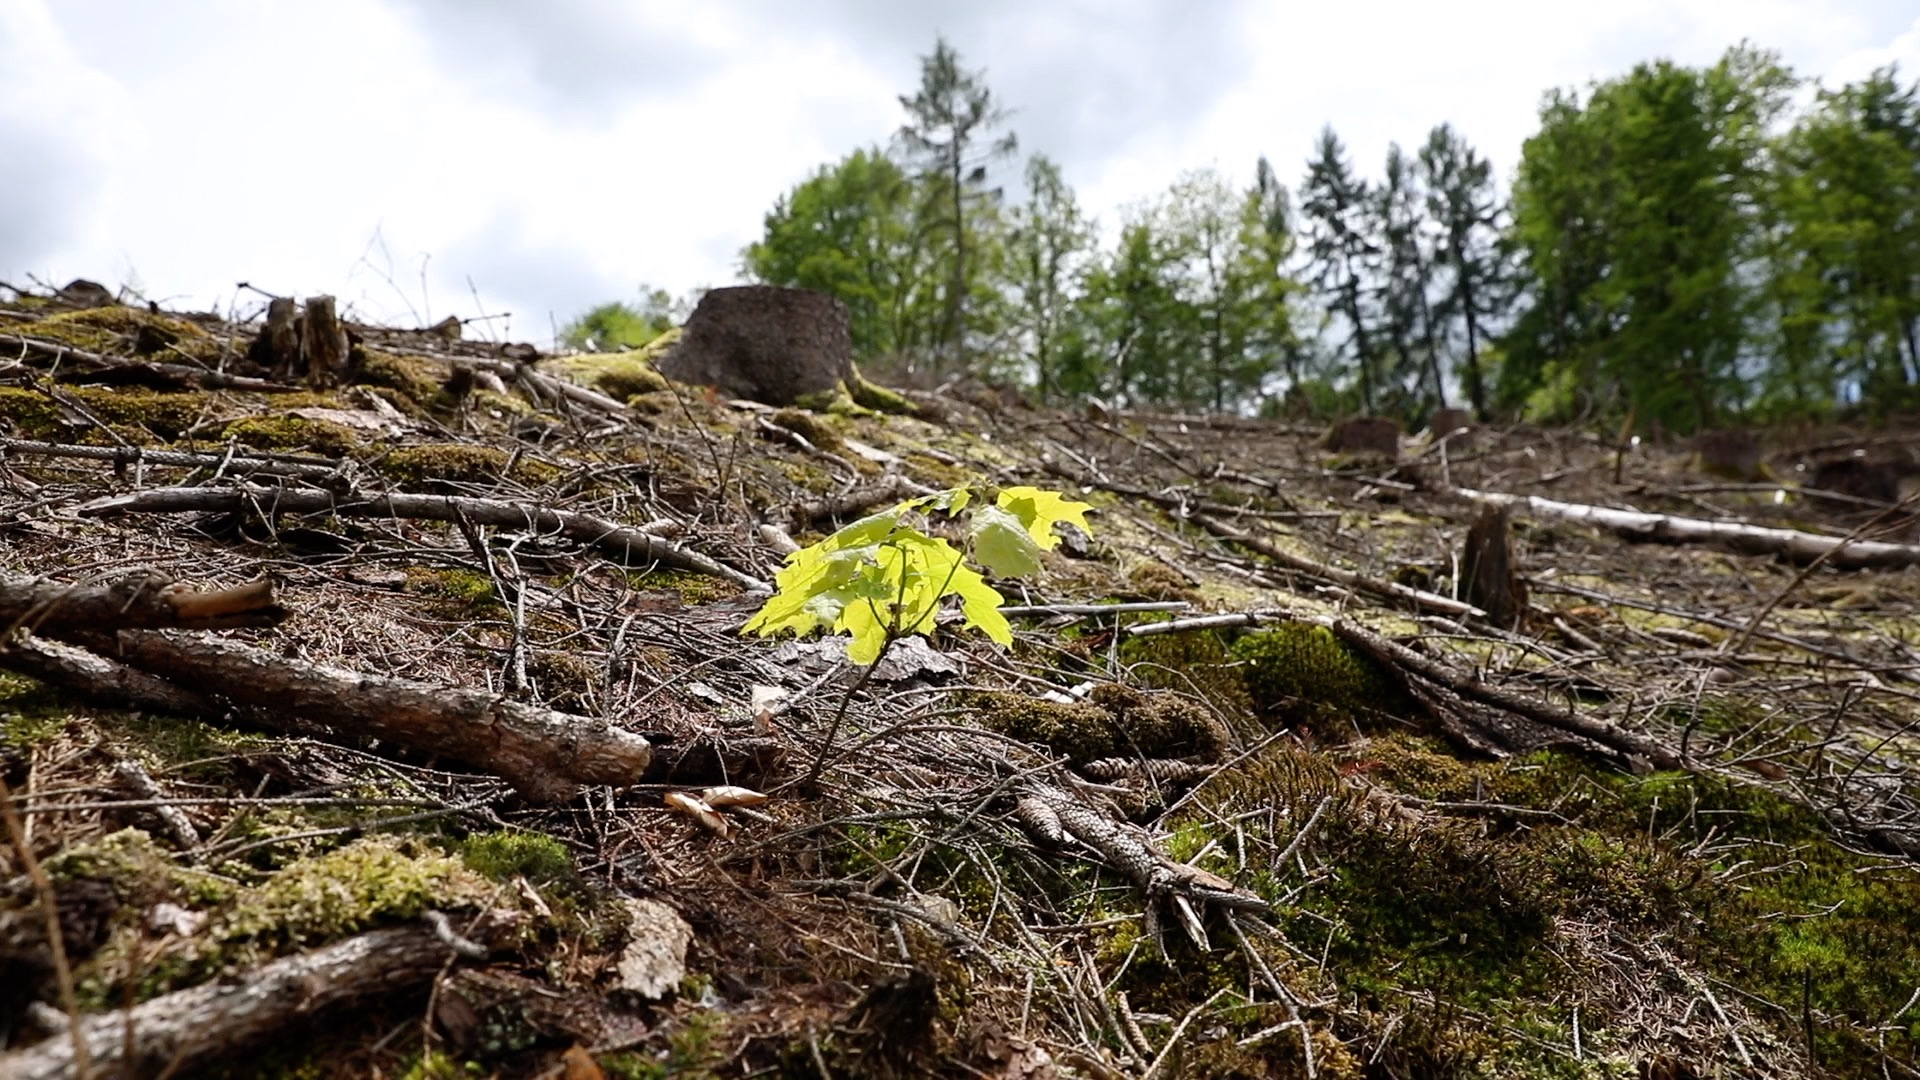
<point>545,755</point>
<point>177,1032</point>
<point>636,546</point>
<point>136,602</point>
<point>1737,536</point>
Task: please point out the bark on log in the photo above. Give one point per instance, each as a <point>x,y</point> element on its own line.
<point>546,755</point>
<point>1800,547</point>
<point>633,545</point>
<point>181,1031</point>
<point>138,602</point>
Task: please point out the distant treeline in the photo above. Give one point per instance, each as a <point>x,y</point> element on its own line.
<point>1691,246</point>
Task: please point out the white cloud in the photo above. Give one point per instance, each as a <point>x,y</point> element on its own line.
<point>561,154</point>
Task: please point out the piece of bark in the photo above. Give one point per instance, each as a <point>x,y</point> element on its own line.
<point>181,1031</point>
<point>545,755</point>
<point>765,343</point>
<point>1488,577</point>
<point>1800,547</point>
<point>1365,436</point>
<point>634,546</point>
<point>140,601</point>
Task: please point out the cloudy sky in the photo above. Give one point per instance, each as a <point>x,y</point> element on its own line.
<point>420,158</point>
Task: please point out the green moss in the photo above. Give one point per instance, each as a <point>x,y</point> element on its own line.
<point>142,417</point>
<point>869,395</point>
<point>565,681</point>
<point>460,467</point>
<point>129,858</point>
<point>1301,673</point>
<point>464,587</point>
<point>692,589</point>
<point>415,379</point>
<point>511,853</point>
<point>294,434</point>
<point>1115,721</point>
<point>30,713</point>
<point>117,328</point>
<point>810,427</point>
<point>371,881</point>
<point>1155,580</point>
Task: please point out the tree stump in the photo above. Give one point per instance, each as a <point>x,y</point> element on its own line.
<point>1445,422</point>
<point>1733,453</point>
<point>1488,579</point>
<point>1365,436</point>
<point>1859,477</point>
<point>310,345</point>
<point>765,343</point>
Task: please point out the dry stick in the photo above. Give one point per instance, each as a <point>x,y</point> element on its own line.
<point>1739,644</point>
<point>1714,620</point>
<point>1390,590</point>
<point>1736,536</point>
<point>56,944</point>
<point>135,602</point>
<point>244,463</point>
<point>630,543</point>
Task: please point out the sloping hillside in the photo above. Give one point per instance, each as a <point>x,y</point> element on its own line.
<point>350,731</point>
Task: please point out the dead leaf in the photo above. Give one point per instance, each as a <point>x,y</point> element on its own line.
<point>580,1064</point>
<point>699,811</point>
<point>728,795</point>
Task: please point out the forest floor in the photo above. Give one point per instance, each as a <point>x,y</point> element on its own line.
<point>1663,827</point>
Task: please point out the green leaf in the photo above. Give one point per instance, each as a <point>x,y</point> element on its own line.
<point>1038,510</point>
<point>981,603</point>
<point>1002,544</point>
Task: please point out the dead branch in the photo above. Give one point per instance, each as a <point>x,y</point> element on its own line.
<point>891,489</point>
<point>1736,536</point>
<point>139,602</point>
<point>1402,658</point>
<point>233,462</point>
<point>544,754</point>
<point>1389,590</point>
<point>635,546</point>
<point>206,380</point>
<point>177,1032</point>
